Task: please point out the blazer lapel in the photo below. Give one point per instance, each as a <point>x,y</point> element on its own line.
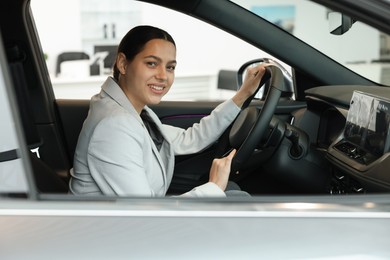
<point>166,153</point>
<point>112,89</point>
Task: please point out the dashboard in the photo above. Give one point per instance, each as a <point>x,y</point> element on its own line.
<point>353,130</point>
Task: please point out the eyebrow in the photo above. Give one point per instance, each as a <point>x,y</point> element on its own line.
<point>159,59</point>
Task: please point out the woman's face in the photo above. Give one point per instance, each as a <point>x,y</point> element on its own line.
<point>149,76</point>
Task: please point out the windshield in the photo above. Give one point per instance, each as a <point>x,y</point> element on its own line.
<point>368,56</point>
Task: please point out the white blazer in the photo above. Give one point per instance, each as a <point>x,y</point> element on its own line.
<point>116,156</point>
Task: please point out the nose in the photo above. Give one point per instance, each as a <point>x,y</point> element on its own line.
<point>162,74</point>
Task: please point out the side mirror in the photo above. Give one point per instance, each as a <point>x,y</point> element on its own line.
<point>288,81</point>
<point>339,23</point>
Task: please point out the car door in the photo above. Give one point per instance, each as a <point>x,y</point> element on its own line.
<point>191,98</point>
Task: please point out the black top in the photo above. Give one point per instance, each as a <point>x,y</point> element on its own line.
<point>152,128</point>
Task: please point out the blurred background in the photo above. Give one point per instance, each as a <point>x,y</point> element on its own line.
<point>79,39</point>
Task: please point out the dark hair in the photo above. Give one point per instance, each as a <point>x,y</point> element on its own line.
<point>134,41</point>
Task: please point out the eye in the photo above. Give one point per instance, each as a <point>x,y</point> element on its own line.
<point>171,68</point>
<point>151,63</point>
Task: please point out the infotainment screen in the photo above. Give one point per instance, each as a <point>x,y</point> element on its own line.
<point>366,133</point>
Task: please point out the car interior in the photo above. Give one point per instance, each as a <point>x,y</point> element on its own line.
<point>301,138</point>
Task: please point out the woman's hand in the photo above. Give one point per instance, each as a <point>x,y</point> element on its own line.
<point>250,84</point>
<point>220,170</point>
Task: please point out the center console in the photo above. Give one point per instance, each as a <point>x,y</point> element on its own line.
<point>362,150</point>
<point>366,134</point>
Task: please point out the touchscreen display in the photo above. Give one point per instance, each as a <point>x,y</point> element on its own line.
<point>368,122</point>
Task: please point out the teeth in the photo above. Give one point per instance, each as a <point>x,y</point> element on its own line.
<point>156,87</point>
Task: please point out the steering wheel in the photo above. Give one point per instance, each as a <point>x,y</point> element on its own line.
<point>251,126</point>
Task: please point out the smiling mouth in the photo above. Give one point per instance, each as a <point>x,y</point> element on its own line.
<point>156,88</point>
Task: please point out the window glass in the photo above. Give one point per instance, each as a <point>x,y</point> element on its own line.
<point>362,48</point>
<point>93,29</point>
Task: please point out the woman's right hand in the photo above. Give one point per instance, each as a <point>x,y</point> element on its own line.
<point>250,84</point>
<point>220,170</point>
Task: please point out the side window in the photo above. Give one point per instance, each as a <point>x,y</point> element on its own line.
<point>80,45</point>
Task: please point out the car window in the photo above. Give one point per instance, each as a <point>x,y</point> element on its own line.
<point>362,48</point>
<point>88,31</point>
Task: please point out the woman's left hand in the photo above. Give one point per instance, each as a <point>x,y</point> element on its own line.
<point>251,83</point>
<point>220,170</point>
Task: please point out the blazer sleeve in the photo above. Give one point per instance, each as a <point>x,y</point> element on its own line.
<point>115,158</point>
<point>202,134</point>
<point>208,189</point>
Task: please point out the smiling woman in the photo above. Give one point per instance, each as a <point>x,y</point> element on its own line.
<point>146,57</point>
<point>119,118</point>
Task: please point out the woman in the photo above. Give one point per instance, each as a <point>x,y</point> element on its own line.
<point>123,148</point>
